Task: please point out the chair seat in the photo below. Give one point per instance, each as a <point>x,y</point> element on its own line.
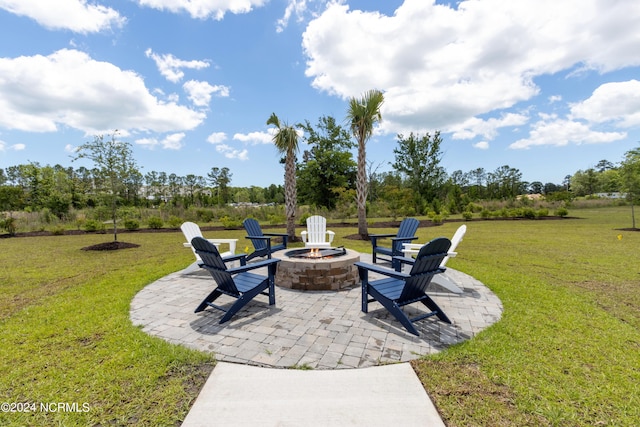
<point>247,281</point>
<point>390,288</point>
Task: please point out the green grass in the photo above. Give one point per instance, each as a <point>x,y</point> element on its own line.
<point>565,352</point>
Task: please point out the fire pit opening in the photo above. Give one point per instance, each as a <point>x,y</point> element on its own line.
<point>316,253</point>
<point>317,269</point>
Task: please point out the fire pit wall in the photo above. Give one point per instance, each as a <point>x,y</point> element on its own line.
<point>326,274</point>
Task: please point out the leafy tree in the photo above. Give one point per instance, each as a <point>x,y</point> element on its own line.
<point>418,158</point>
<point>115,165</point>
<point>286,141</point>
<point>193,184</point>
<point>220,178</point>
<point>362,115</point>
<point>604,165</point>
<point>630,172</point>
<point>328,165</point>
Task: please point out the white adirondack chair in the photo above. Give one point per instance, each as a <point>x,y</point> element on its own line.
<point>317,235</point>
<point>191,230</point>
<point>442,279</point>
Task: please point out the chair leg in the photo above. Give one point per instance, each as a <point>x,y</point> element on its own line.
<point>395,310</point>
<point>272,288</point>
<point>431,304</point>
<point>210,298</point>
<point>241,302</point>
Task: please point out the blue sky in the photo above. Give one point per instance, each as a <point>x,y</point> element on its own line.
<point>546,87</point>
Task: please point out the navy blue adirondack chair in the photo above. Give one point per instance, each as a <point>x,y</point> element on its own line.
<point>236,282</point>
<point>262,241</point>
<point>399,289</point>
<point>406,233</point>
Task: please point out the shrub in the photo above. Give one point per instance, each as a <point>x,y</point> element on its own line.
<point>437,219</point>
<point>131,224</point>
<point>485,214</point>
<point>9,224</point>
<point>528,213</point>
<point>92,225</point>
<point>276,219</point>
<point>562,212</point>
<point>230,223</point>
<point>155,222</point>
<point>204,215</point>
<point>303,218</point>
<point>542,212</point>
<point>58,230</point>
<point>467,215</point>
<point>175,222</point>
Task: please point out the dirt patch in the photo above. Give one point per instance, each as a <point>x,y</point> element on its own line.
<point>110,246</point>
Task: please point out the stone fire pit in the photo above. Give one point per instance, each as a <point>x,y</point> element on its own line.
<point>333,269</point>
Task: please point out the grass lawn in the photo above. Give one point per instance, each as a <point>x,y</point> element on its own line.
<point>566,352</point>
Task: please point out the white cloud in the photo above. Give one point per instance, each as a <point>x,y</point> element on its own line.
<point>200,92</point>
<point>69,148</point>
<point>217,137</point>
<point>294,7</point>
<point>204,9</point>
<point>482,145</point>
<point>173,141</point>
<point>73,15</point>
<point>170,142</point>
<point>171,67</point>
<point>69,88</point>
<point>440,66</point>
<point>256,137</point>
<point>232,153</point>
<point>488,128</point>
<point>14,147</point>
<point>616,102</point>
<point>554,131</point>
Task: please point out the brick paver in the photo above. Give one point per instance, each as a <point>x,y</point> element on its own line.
<point>322,330</point>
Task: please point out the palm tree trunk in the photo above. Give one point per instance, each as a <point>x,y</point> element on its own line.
<point>361,190</point>
<point>290,195</point>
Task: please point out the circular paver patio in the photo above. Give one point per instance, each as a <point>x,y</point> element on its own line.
<point>321,330</point>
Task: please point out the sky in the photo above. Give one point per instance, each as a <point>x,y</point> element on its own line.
<point>547,87</point>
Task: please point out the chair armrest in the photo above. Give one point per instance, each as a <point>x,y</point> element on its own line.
<point>284,236</point>
<point>411,246</point>
<point>405,259</point>
<point>253,266</point>
<point>381,270</point>
<point>303,235</point>
<point>238,257</point>
<point>380,236</point>
<point>258,237</point>
<point>396,239</point>
<point>331,235</point>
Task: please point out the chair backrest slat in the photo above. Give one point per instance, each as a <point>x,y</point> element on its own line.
<point>455,240</point>
<point>253,229</point>
<point>191,230</point>
<point>212,261</point>
<point>407,229</point>
<point>316,229</point>
<point>426,265</point>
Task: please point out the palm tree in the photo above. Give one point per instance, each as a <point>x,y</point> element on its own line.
<point>362,115</point>
<point>286,141</point>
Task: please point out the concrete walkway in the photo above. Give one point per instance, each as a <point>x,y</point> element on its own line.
<point>325,331</point>
<point>241,395</point>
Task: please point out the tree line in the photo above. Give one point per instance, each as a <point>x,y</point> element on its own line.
<point>325,177</point>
